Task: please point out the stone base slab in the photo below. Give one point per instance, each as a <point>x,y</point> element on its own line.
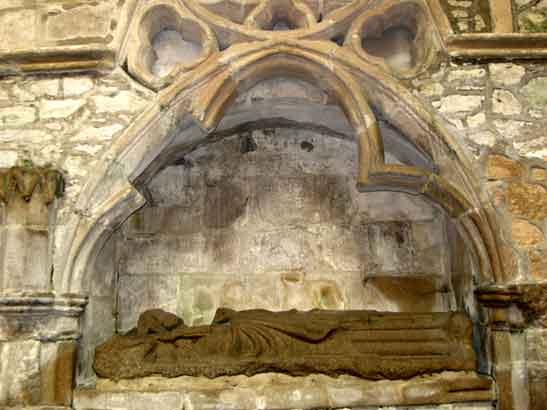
<point>278,391</point>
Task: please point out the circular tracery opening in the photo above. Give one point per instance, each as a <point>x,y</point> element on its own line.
<point>397,36</point>
<point>172,40</point>
<point>171,48</point>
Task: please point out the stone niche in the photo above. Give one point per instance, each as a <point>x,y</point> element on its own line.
<point>272,219</point>
<point>268,216</point>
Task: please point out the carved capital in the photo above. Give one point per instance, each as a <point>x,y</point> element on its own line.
<point>515,307</point>
<point>24,182</point>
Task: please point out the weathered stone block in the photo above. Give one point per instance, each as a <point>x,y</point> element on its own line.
<point>44,87</point>
<point>139,293</point>
<point>536,91</point>
<point>124,101</point>
<point>76,86</point>
<point>527,200</point>
<point>17,116</point>
<point>538,264</point>
<point>25,258</point>
<point>526,234</point>
<point>59,108</point>
<point>90,21</point>
<point>98,324</point>
<point>460,103</point>
<point>201,295</point>
<point>57,365</point>
<point>304,292</point>
<point>506,73</point>
<point>18,28</point>
<point>538,174</point>
<point>392,246</point>
<point>301,195</point>
<point>166,255</point>
<point>501,167</point>
<point>20,373</point>
<point>504,102</point>
<point>405,293</point>
<point>104,133</point>
<point>38,327</point>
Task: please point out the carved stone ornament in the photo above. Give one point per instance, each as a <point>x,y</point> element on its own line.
<point>24,182</point>
<point>515,306</point>
<point>367,344</point>
<point>399,37</point>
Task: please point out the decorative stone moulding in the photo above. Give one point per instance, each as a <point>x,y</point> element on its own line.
<point>281,15</point>
<point>26,182</point>
<point>42,303</point>
<point>157,68</point>
<point>515,306</point>
<point>398,36</point>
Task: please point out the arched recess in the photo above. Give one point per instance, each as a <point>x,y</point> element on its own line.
<point>193,107</point>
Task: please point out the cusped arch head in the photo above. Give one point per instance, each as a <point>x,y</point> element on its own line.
<point>284,59</point>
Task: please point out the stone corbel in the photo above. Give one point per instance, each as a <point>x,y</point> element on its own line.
<point>24,182</point>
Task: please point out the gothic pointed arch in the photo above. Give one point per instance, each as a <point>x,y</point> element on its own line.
<point>193,106</point>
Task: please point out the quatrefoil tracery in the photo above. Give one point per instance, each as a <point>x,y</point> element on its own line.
<point>170,38</point>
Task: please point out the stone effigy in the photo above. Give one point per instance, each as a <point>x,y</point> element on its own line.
<point>367,344</point>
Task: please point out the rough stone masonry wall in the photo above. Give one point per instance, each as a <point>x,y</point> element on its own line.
<point>63,123</point>
<point>499,112</point>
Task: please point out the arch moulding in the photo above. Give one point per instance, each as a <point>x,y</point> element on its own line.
<point>192,107</point>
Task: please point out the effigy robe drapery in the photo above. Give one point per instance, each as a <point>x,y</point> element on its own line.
<point>367,344</point>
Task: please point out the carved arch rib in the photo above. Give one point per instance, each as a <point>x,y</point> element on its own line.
<point>203,99</point>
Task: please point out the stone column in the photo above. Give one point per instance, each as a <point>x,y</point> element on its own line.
<point>38,336</point>
<point>26,194</point>
<point>38,330</point>
<point>518,322</point>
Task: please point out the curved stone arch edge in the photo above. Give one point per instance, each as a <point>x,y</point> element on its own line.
<point>110,196</point>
